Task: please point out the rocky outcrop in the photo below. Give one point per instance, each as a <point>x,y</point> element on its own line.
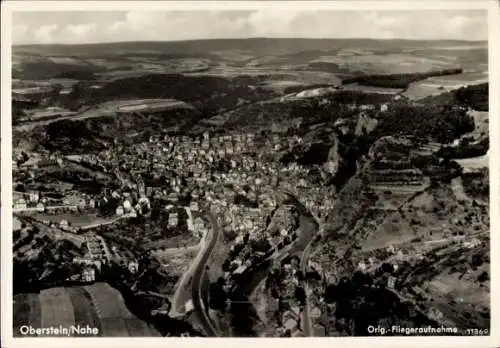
<point>365,124</point>
<point>390,147</point>
<point>333,160</point>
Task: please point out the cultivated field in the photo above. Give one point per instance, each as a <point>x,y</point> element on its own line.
<point>111,108</point>
<point>370,89</point>
<point>273,74</point>
<point>56,308</point>
<point>440,84</point>
<point>393,230</point>
<point>464,290</point>
<point>394,63</point>
<point>97,305</point>
<point>471,164</point>
<point>279,86</point>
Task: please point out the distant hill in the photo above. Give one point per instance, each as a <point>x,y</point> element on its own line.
<point>339,56</point>
<point>98,305</point>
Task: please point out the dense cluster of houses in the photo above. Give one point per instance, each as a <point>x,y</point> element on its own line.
<point>230,173</point>
<point>97,256</point>
<point>177,166</point>
<point>184,165</point>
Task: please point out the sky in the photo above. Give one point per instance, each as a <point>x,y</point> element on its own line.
<point>113,26</point>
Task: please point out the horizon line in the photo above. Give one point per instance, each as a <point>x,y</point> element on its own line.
<point>244,38</point>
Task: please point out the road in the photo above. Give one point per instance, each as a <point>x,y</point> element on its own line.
<point>179,298</point>
<point>199,306</point>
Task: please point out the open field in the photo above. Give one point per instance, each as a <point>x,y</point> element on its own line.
<point>56,308</point>
<point>96,305</point>
<point>132,68</point>
<point>149,105</point>
<point>469,291</point>
<point>394,229</point>
<point>370,89</point>
<point>437,85</point>
<point>279,86</point>
<point>471,164</point>
<point>26,309</point>
<point>104,298</point>
<point>393,63</point>
<point>462,293</point>
<point>27,83</point>
<point>80,298</point>
<point>419,90</point>
<point>273,74</point>
<point>109,109</point>
<point>466,78</point>
<point>128,73</point>
<point>39,114</point>
<point>393,196</point>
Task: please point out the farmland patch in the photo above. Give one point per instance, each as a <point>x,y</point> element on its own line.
<point>105,299</point>
<point>114,327</point>
<point>57,308</point>
<point>84,310</point>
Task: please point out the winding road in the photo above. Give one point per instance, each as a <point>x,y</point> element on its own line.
<point>199,306</point>
<point>190,285</point>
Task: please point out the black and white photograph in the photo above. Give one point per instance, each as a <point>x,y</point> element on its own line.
<point>254,172</point>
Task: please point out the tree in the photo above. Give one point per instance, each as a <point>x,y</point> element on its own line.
<point>260,244</point>
<point>300,295</point>
<point>300,276</point>
<point>218,296</point>
<point>387,267</point>
<point>246,238</point>
<point>331,293</point>
<point>483,277</point>
<point>226,265</point>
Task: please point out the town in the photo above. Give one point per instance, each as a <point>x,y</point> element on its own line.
<point>251,187</point>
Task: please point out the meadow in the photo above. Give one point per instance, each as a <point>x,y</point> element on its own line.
<point>440,84</point>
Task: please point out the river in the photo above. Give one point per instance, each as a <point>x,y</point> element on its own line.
<point>245,313</point>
